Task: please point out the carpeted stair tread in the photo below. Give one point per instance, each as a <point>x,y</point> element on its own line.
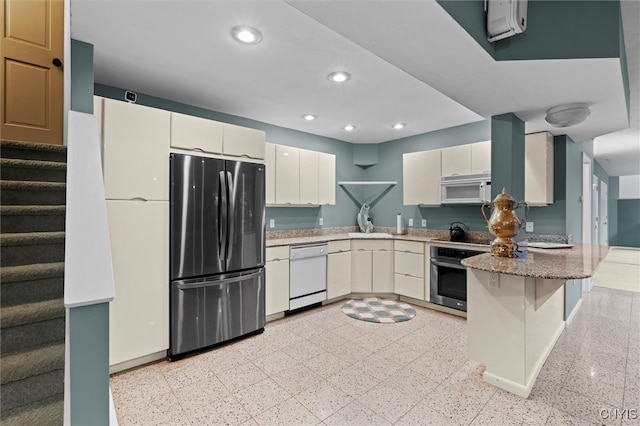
<point>36,164</point>
<point>31,272</point>
<point>30,238</point>
<point>31,389</point>
<point>32,146</point>
<point>32,210</point>
<point>12,316</point>
<point>40,360</point>
<point>32,185</point>
<point>31,291</point>
<point>45,412</point>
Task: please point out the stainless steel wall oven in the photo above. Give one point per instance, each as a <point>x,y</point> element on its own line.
<point>448,277</point>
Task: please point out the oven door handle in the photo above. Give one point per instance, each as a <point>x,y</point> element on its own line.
<point>447,264</point>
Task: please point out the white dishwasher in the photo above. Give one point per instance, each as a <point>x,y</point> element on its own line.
<point>307,275</point>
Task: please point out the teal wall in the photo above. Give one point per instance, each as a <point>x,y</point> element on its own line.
<point>628,223</point>
<point>88,325</point>
<point>507,153</point>
<point>555,29</point>
<point>342,214</point>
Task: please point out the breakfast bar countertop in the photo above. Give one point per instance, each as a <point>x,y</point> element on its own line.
<point>579,261</point>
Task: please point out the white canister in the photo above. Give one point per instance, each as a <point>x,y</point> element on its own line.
<point>399,224</point>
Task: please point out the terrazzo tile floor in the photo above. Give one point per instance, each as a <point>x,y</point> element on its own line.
<point>322,367</point>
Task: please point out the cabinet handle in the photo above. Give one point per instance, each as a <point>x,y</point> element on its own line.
<point>144,200</point>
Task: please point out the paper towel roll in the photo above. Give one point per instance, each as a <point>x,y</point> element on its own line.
<point>399,224</point>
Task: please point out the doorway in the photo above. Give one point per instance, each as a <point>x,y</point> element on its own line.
<point>587,283</point>
<point>604,214</point>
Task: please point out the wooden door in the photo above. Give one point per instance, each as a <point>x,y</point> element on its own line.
<point>31,74</point>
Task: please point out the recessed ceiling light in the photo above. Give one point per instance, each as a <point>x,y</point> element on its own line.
<point>247,35</point>
<point>398,126</point>
<point>567,115</point>
<point>349,127</point>
<point>339,76</point>
<point>309,117</point>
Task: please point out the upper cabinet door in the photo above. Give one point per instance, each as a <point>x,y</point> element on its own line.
<point>287,175</point>
<point>538,169</point>
<point>243,142</point>
<point>136,151</point>
<point>308,177</point>
<point>270,177</point>
<point>326,178</point>
<point>197,134</point>
<point>421,177</point>
<point>481,157</point>
<point>456,160</point>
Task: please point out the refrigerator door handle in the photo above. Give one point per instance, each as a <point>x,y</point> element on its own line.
<point>222,215</point>
<point>232,215</point>
<point>185,286</point>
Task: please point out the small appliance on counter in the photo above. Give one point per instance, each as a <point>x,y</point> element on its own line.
<point>457,231</point>
<point>504,224</point>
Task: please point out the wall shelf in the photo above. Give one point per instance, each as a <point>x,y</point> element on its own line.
<point>389,184</point>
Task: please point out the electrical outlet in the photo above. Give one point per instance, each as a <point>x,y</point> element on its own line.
<point>272,223</point>
<point>320,221</point>
<point>411,222</point>
<point>494,280</point>
<point>424,223</point>
<point>529,226</point>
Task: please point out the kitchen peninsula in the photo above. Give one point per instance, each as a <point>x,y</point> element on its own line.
<point>515,310</point>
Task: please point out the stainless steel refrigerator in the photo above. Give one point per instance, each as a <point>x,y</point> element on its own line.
<point>217,219</point>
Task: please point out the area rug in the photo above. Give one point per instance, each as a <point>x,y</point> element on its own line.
<point>619,270</point>
<point>374,309</point>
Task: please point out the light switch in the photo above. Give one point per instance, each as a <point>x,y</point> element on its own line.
<point>411,222</point>
<point>272,223</point>
<point>529,226</point>
<point>320,221</point>
<point>424,223</point>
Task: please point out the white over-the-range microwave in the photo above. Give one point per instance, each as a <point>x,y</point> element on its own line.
<point>465,189</point>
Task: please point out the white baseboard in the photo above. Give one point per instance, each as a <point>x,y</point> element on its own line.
<point>126,365</point>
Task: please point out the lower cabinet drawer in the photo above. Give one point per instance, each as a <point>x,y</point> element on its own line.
<point>409,286</point>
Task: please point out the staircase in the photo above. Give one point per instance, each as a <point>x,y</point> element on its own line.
<point>32,313</point>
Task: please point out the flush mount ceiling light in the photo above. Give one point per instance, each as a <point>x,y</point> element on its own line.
<point>349,127</point>
<point>339,76</point>
<point>398,126</point>
<point>567,115</point>
<point>309,117</point>
<point>247,35</point>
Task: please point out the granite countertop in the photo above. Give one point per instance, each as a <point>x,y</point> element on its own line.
<point>296,237</point>
<point>579,261</point>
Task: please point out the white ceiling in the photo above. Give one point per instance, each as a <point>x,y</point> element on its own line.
<point>410,62</point>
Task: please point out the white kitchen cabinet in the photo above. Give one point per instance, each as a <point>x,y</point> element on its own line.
<point>277,280</point>
<point>456,160</point>
<point>243,142</point>
<point>427,272</point>
<point>338,268</point>
<point>326,178</point>
<point>371,266</point>
<point>270,177</point>
<point>196,134</point>
<point>308,177</point>
<point>139,313</point>
<point>409,269</point>
<point>481,157</point>
<point>287,175</point>
<point>538,169</point>
<point>382,271</point>
<point>421,177</point>
<point>136,151</point>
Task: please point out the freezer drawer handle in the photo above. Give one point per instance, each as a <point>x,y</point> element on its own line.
<point>216,282</point>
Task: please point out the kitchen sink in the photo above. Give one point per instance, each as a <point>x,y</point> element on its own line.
<point>371,235</point>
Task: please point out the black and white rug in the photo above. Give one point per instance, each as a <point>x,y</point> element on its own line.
<point>374,309</point>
